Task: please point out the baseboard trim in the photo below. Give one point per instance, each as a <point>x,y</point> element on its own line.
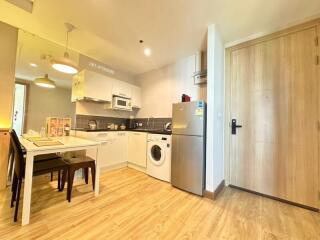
<point>136,167</point>
<point>113,167</point>
<point>276,198</point>
<point>213,195</point>
<point>218,190</point>
<point>208,194</point>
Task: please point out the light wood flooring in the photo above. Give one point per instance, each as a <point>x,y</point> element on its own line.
<point>133,205</point>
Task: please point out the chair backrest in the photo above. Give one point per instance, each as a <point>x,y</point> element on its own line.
<point>19,164</point>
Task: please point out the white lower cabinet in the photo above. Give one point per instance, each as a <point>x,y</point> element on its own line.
<point>137,148</point>
<point>118,148</point>
<point>105,149</point>
<point>113,150</point>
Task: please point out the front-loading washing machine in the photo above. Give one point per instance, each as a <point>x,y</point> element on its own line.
<point>159,156</point>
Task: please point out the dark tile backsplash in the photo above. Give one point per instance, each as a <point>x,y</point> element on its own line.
<point>151,123</point>
<point>102,122</point>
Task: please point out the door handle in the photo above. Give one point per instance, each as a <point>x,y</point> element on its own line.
<point>234,126</point>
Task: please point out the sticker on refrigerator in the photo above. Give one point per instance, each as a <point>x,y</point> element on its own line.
<point>199,112</point>
<point>200,104</point>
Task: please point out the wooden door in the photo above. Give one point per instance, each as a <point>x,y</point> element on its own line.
<point>274,96</point>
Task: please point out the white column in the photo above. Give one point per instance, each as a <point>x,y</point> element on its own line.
<point>215,110</point>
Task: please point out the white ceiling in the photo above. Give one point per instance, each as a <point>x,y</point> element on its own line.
<point>109,30</point>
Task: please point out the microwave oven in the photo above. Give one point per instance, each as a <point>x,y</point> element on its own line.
<point>121,103</point>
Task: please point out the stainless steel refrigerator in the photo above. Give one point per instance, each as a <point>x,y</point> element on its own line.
<point>188,146</point>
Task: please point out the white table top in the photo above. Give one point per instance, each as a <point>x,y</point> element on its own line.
<point>68,142</point>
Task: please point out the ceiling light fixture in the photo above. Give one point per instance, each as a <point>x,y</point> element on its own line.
<point>44,82</point>
<point>33,65</point>
<point>65,64</point>
<point>147,52</point>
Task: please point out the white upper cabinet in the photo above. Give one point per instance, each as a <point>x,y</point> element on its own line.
<point>122,89</point>
<point>74,92</point>
<point>88,85</point>
<point>91,85</point>
<point>136,96</point>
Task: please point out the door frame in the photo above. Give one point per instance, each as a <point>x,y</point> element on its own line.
<point>228,62</point>
<point>26,99</point>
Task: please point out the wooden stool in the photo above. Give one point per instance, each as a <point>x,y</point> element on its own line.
<point>75,164</point>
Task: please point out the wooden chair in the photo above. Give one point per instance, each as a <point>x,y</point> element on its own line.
<point>42,157</point>
<point>76,163</point>
<point>40,167</point>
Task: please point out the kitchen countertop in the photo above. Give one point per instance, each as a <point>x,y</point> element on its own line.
<point>154,131</point>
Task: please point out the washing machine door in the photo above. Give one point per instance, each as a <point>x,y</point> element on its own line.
<point>156,153</point>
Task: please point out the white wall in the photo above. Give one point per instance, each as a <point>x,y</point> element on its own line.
<point>44,102</point>
<point>164,86</point>
<point>215,110</point>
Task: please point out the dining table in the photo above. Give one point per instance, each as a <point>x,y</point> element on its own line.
<point>66,144</point>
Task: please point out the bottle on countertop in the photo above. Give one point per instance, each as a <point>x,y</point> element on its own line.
<point>122,126</point>
<point>43,132</point>
<point>67,129</point>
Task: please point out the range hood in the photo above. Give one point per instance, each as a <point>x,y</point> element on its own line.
<point>200,73</point>
<point>89,99</point>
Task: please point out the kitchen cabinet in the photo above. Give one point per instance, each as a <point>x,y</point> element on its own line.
<point>119,148</point>
<point>75,94</point>
<point>136,96</point>
<point>137,148</point>
<point>91,85</point>
<point>113,149</point>
<point>88,85</point>
<point>122,89</point>
<point>104,154</point>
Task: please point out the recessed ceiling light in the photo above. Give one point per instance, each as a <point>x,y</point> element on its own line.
<point>147,52</point>
<point>33,65</point>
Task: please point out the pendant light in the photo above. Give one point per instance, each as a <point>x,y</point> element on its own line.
<point>65,64</point>
<point>44,82</point>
